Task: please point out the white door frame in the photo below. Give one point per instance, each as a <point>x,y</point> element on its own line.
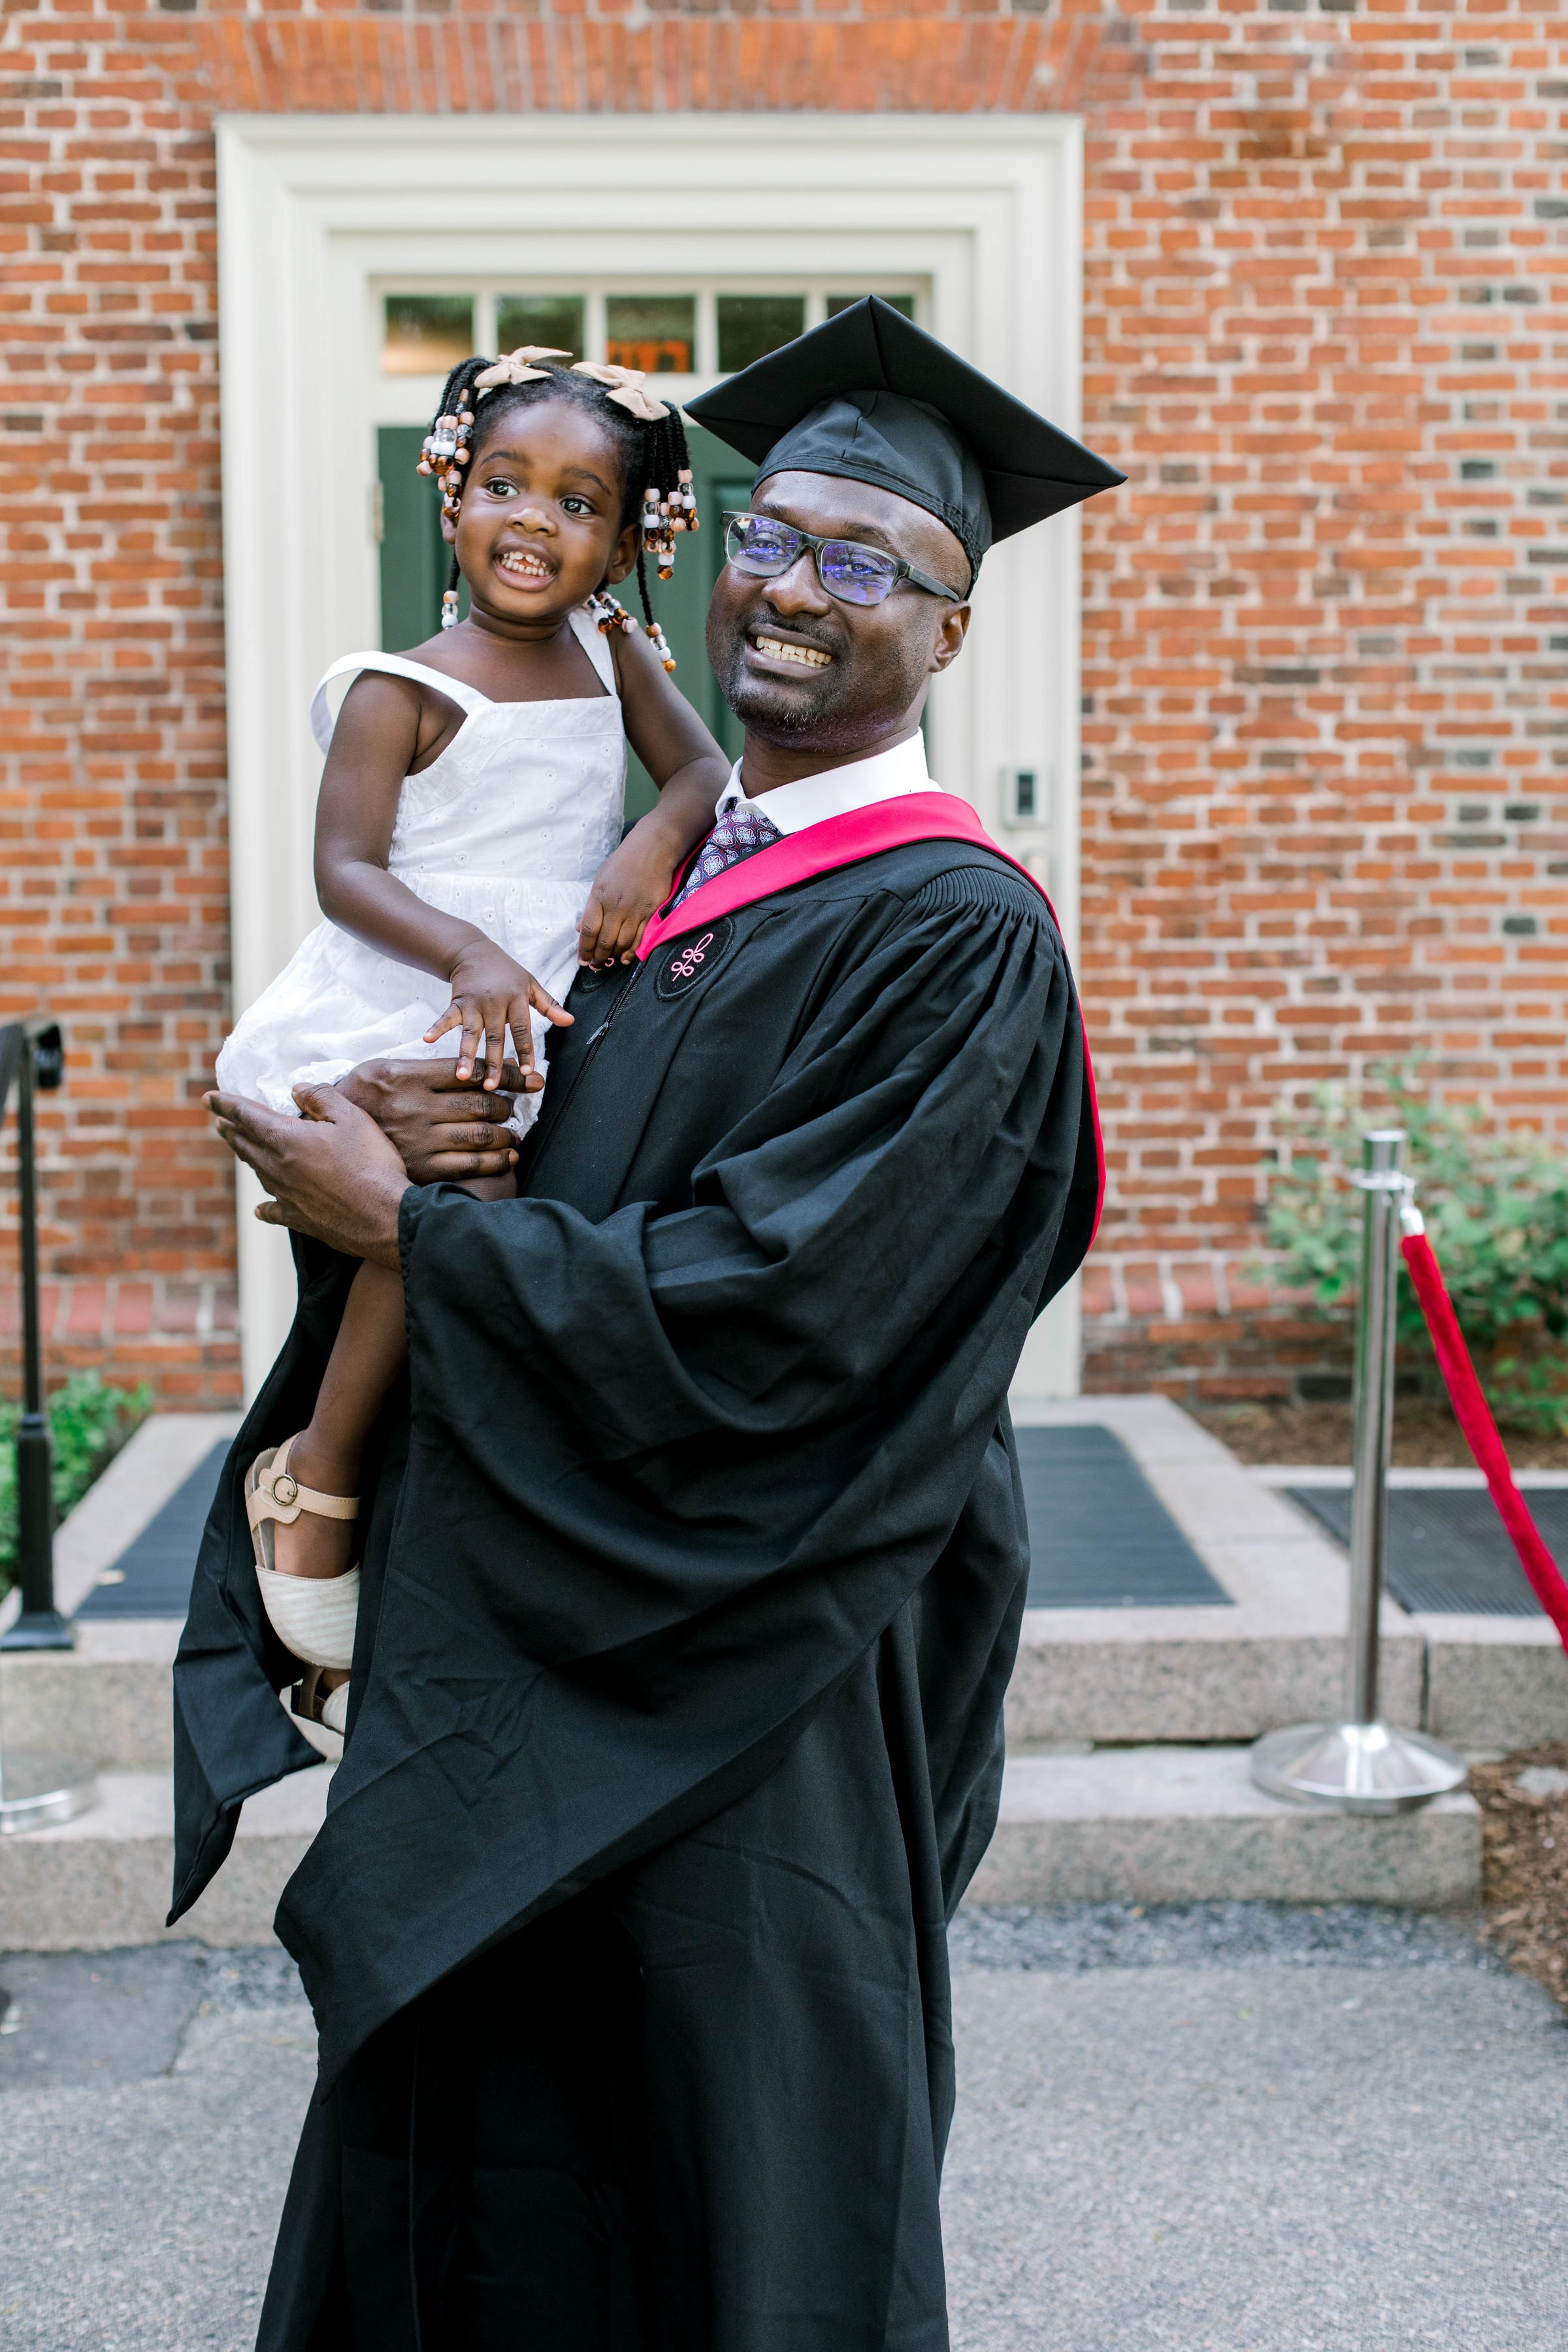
<point>316,212</point>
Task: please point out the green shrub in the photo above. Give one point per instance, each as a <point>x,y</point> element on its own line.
<point>1496,1207</point>
<point>89,1422</point>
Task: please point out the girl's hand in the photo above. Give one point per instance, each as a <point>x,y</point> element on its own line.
<point>632,881</point>
<point>490,996</point>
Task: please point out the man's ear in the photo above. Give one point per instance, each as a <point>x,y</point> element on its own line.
<point>625,557</point>
<point>952,630</point>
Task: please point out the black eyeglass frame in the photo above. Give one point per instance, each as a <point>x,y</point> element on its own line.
<point>809,539</point>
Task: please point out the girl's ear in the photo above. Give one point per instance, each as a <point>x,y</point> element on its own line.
<point>625,557</point>
<point>448,530</point>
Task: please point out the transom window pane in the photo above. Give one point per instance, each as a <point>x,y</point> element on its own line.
<point>553,321</point>
<point>904,302</point>
<point>752,325</point>
<point>656,332</point>
<point>701,332</point>
<point>427,334</point>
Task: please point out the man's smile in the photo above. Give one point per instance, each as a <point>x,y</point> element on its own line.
<point>778,649</point>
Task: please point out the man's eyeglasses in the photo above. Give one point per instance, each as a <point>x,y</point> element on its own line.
<point>852,573</point>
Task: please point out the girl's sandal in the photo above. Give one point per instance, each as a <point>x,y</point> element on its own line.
<point>313,1616</point>
<point>328,1707</point>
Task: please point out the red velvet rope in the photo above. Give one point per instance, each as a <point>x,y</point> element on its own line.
<point>1474,1418</point>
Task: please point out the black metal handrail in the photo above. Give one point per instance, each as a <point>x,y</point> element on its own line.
<point>33,1058</point>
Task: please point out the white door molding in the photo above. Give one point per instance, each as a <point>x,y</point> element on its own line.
<point>315,213</point>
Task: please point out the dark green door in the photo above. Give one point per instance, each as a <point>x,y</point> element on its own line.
<point>414,562</point>
<point>414,556</point>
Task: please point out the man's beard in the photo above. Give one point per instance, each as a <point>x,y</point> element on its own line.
<point>830,707</point>
<point>770,708</point>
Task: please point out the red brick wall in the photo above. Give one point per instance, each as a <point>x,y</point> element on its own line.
<point>1324,799</point>
<point>1326,643</point>
<point>115,883</point>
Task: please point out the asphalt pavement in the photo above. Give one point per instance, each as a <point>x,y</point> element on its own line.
<point>1241,2130</point>
<point>1222,2129</point>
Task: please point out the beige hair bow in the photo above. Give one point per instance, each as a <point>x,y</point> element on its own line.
<point>519,367</point>
<point>626,389</point>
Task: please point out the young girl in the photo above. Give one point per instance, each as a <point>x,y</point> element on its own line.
<point>466,856</point>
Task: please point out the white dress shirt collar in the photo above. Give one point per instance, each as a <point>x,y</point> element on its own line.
<point>792,807</point>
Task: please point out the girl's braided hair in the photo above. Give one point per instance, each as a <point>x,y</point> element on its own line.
<point>649,439</point>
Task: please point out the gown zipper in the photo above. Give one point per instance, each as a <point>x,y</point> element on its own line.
<point>580,1072</point>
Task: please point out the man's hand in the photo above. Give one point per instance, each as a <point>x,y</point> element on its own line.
<point>443,1128</point>
<point>330,1172</point>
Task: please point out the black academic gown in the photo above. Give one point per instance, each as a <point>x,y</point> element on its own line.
<point>692,1586</point>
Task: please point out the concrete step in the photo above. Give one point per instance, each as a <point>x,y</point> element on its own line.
<point>1110,1676</point>
<point>109,1702</point>
<point>1490,1682</point>
<point>1277,1655</point>
<point>1144,1825</point>
<point>1166,1824</point>
<point>104,1879</point>
<point>1103,1677</point>
<point>1139,1811</point>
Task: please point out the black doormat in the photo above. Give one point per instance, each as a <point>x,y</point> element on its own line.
<point>1447,1552</point>
<point>1099,1537</point>
<point>151,1577</point>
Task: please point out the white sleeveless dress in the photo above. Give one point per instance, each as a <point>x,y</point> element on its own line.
<point>506,830</point>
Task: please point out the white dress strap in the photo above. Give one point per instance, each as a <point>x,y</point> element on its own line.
<point>467,698</point>
<point>597,646</point>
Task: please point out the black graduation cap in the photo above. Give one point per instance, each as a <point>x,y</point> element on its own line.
<point>871,397</point>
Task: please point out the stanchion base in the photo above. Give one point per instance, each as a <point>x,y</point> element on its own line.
<point>39,1629</point>
<point>38,1791</point>
<point>1361,1768</point>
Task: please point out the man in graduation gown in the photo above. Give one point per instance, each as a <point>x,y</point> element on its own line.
<point>695,1554</point>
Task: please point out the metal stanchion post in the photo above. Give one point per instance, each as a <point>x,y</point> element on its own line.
<point>35,1789</point>
<point>40,1626</point>
<point>1364,1765</point>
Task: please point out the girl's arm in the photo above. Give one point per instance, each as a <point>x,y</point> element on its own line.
<point>690,771</point>
<point>382,727</point>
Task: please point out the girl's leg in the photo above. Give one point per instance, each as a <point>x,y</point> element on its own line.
<point>370,1350</point>
<point>368,1354</point>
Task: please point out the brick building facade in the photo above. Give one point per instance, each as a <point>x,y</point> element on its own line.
<point>1325,650</point>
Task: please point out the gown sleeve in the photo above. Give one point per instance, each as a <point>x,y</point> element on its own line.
<point>796,1367</point>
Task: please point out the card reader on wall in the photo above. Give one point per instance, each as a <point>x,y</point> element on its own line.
<point>1025,796</point>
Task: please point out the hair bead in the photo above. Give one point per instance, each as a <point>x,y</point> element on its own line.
<point>609,614</point>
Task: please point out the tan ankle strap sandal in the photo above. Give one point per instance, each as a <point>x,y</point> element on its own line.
<point>272,1492</point>
<point>313,1616</point>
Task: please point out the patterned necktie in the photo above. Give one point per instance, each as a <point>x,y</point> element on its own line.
<point>740,833</point>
